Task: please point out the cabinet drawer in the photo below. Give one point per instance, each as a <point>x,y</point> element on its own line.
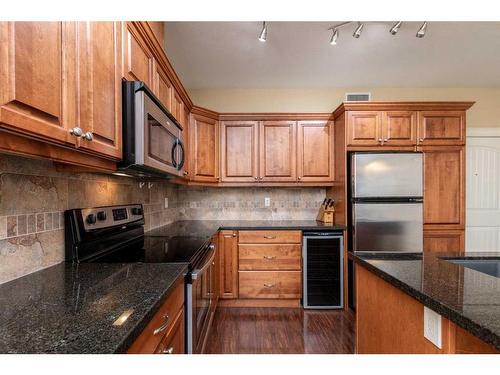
<point>270,236</point>
<point>173,342</point>
<point>161,323</point>
<point>269,257</point>
<point>270,284</point>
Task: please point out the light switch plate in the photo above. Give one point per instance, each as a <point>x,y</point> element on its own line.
<point>267,202</point>
<point>432,327</point>
<point>166,202</point>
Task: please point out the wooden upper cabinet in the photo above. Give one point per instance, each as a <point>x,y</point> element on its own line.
<point>441,127</point>
<point>138,61</point>
<point>158,29</point>
<point>163,88</point>
<point>444,241</point>
<point>399,128</point>
<point>364,128</point>
<point>443,187</point>
<point>228,247</point>
<point>278,151</point>
<point>177,107</point>
<point>239,151</point>
<point>204,144</point>
<point>37,79</point>
<point>315,151</point>
<point>99,88</point>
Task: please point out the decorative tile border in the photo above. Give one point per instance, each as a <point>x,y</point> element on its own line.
<point>20,225</point>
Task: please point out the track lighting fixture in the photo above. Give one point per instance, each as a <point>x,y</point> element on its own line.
<point>421,31</point>
<point>357,32</point>
<point>395,28</point>
<point>263,33</point>
<point>335,36</point>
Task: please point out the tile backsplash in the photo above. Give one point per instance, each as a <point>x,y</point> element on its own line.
<point>34,196</point>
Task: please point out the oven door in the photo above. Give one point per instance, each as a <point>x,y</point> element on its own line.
<point>162,147</point>
<point>201,294</point>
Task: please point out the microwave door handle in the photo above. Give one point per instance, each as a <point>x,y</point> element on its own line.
<point>198,271</point>
<point>178,165</point>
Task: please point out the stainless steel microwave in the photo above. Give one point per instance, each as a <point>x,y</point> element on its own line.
<point>152,137</point>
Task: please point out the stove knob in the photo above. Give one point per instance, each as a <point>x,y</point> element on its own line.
<point>91,219</point>
<point>137,211</point>
<point>101,215</point>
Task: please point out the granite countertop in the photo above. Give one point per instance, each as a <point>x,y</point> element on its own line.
<point>207,228</point>
<point>71,308</point>
<point>469,298</point>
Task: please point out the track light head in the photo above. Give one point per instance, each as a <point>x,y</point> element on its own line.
<point>263,33</point>
<point>357,32</point>
<point>335,36</point>
<point>395,28</point>
<point>422,30</point>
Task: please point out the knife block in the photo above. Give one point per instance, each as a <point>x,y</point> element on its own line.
<point>326,215</point>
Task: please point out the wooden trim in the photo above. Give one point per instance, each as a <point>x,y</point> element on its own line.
<point>200,111</point>
<point>260,303</point>
<point>380,148</point>
<point>398,106</point>
<point>264,116</point>
<point>28,147</point>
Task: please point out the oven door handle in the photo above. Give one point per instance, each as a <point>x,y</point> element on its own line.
<point>208,263</point>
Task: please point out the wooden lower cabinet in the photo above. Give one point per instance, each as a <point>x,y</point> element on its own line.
<point>269,257</point>
<point>388,321</point>
<point>444,241</point>
<point>228,277</point>
<point>166,328</point>
<point>269,236</point>
<point>270,284</point>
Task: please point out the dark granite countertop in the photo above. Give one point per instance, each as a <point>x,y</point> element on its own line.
<point>469,298</point>
<point>71,308</point>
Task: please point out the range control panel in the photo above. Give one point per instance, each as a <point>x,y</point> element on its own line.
<point>105,217</point>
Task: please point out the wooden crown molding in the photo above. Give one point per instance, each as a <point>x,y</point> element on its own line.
<point>200,111</point>
<point>397,106</point>
<point>256,116</point>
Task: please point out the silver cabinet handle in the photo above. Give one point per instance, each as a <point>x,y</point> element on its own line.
<point>268,285</point>
<point>269,257</point>
<point>421,139</point>
<point>211,247</point>
<point>256,178</point>
<point>163,326</point>
<point>186,173</point>
<point>270,237</point>
<point>168,351</point>
<point>386,140</point>
<point>300,177</point>
<point>380,139</point>
<point>76,131</point>
<point>88,136</point>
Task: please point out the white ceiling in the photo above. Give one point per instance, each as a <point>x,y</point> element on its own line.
<point>298,55</point>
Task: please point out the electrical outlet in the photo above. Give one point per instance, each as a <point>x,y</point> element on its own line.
<point>267,202</point>
<point>166,202</point>
<point>432,327</point>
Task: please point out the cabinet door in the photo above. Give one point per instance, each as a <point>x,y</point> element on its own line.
<point>444,241</point>
<point>173,342</point>
<point>315,151</point>
<point>239,151</point>
<point>441,127</point>
<point>99,88</point>
<point>443,187</point>
<point>228,246</point>
<point>278,151</point>
<point>37,79</point>
<point>138,61</point>
<point>178,108</point>
<point>163,87</point>
<point>364,128</point>
<point>204,149</point>
<point>399,128</point>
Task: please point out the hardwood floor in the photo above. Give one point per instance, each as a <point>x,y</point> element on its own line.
<point>281,331</point>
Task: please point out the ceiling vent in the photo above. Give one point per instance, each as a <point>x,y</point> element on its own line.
<point>357,97</point>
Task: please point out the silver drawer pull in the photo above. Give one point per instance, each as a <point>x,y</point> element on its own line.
<point>270,237</point>
<point>268,285</point>
<point>163,326</point>
<point>168,351</point>
<point>268,257</point>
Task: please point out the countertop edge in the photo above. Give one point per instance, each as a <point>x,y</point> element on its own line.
<point>136,330</point>
<point>469,325</point>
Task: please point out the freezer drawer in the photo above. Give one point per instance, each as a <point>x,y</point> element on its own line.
<point>387,175</point>
<point>391,227</point>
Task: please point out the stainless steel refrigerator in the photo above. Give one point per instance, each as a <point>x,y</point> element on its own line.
<point>386,202</point>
